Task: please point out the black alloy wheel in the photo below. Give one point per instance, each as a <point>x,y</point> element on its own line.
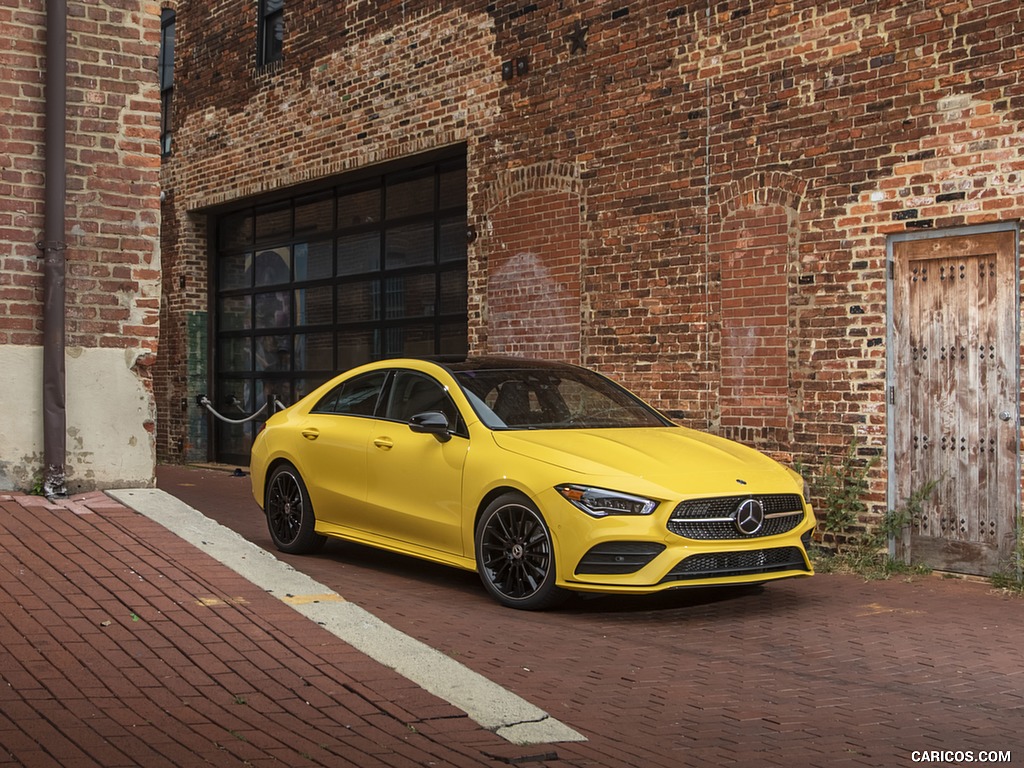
<point>290,514</point>
<point>515,554</point>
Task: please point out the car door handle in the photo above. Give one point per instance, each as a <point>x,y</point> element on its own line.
<point>311,434</point>
<point>384,442</point>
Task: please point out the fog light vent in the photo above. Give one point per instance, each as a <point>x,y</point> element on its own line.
<point>618,557</point>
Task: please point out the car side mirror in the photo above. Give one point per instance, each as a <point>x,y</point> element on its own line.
<point>431,423</point>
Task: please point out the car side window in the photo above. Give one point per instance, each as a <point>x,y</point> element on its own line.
<point>413,393</point>
<point>355,397</point>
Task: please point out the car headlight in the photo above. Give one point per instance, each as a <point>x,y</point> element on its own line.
<point>599,502</point>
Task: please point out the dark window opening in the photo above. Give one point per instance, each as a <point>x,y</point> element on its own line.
<point>271,31</point>
<point>166,73</point>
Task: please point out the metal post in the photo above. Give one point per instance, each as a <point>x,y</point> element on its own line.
<point>53,247</point>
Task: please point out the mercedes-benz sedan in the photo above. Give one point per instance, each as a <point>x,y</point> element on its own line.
<point>542,477</point>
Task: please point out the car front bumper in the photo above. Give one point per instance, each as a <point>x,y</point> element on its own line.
<point>647,554</point>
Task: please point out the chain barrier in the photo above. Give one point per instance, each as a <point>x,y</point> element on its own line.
<point>273,405</point>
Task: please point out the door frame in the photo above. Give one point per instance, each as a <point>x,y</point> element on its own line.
<point>890,352</point>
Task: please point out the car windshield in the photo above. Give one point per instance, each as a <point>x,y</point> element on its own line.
<point>549,398</point>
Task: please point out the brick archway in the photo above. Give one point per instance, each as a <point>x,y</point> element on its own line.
<point>754,249</point>
<point>534,259</point>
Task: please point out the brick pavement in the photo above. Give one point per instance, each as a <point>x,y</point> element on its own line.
<point>128,647</point>
<point>827,671</point>
<point>121,645</point>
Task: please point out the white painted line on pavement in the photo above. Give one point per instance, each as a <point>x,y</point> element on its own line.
<point>487,703</point>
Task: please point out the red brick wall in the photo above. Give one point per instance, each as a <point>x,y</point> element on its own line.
<point>697,151</point>
<point>112,175</point>
<point>21,175</point>
<point>112,274</point>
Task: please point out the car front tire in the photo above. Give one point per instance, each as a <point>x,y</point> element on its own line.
<point>290,516</point>
<point>515,554</point>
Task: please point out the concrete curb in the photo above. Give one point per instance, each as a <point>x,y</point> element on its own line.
<point>487,703</point>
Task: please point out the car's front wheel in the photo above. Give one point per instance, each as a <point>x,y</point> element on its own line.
<point>290,514</point>
<point>515,554</point>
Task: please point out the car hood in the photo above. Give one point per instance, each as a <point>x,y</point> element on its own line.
<point>675,458</point>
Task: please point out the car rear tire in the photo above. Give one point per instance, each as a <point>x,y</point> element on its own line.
<point>515,555</point>
<point>290,516</point>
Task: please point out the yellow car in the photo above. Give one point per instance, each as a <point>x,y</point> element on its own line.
<point>542,477</point>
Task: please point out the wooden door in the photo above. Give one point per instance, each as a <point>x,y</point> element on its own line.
<point>954,397</point>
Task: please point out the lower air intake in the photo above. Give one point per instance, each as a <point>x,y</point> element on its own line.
<point>719,564</point>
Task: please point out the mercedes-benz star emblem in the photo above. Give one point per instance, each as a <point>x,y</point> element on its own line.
<point>749,516</point>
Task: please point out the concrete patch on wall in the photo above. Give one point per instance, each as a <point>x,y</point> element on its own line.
<point>110,415</point>
<point>21,429</point>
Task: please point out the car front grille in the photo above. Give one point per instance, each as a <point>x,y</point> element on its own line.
<point>720,564</point>
<point>619,557</point>
<point>715,518</point>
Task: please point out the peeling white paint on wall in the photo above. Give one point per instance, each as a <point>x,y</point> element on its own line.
<point>109,408</point>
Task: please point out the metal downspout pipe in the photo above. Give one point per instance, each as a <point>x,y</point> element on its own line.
<point>53,246</point>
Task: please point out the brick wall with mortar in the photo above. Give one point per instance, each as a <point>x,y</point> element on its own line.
<point>662,131</point>
<point>112,218</point>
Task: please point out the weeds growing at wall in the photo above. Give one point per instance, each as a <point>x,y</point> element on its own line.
<point>1010,577</point>
<point>839,491</point>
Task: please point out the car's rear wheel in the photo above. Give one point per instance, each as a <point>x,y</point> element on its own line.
<point>290,514</point>
<point>515,554</point>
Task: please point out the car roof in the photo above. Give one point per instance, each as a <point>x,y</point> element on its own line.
<point>498,363</point>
